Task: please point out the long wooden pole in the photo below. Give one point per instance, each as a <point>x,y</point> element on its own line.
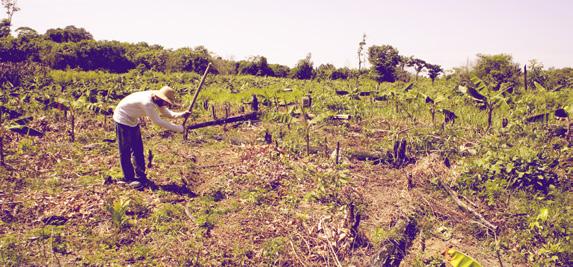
<point>185,131</point>
<point>197,93</point>
<point>253,116</point>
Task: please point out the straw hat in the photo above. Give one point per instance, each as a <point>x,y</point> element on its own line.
<point>166,94</point>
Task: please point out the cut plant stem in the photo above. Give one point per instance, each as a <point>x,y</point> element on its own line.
<point>337,152</point>
<point>72,133</point>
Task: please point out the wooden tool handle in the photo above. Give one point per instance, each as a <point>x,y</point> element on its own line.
<point>197,93</point>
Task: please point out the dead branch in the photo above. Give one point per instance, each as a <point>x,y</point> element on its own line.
<point>465,207</point>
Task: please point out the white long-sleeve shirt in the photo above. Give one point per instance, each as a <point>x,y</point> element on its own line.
<point>139,104</point>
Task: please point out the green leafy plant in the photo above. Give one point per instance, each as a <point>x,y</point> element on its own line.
<point>459,259</point>
<point>486,97</point>
<point>118,210</point>
<point>521,167</point>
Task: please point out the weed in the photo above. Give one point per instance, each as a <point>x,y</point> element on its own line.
<point>117,209</point>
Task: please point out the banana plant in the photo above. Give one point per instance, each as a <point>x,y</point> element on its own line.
<point>546,106</point>
<point>486,97</point>
<point>14,121</point>
<point>399,96</point>
<point>433,102</point>
<point>565,113</point>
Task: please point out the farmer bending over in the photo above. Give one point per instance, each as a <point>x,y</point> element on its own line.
<point>126,116</point>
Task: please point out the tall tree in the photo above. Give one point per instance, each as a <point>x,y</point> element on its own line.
<point>303,69</point>
<point>11,8</point>
<point>418,65</point>
<point>384,59</point>
<point>325,71</point>
<point>68,34</point>
<point>433,71</point>
<point>497,69</point>
<point>361,51</point>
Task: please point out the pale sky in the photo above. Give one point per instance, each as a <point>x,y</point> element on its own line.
<point>444,32</point>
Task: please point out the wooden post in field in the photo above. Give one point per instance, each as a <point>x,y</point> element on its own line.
<point>325,147</point>
<point>213,112</point>
<point>525,76</point>
<point>337,152</point>
<point>226,116</point>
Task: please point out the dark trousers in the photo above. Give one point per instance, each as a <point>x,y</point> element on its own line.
<point>130,145</point>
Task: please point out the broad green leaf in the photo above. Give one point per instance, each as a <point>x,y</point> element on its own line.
<point>479,84</point>
<point>476,95</point>
<point>539,87</point>
<point>458,259</point>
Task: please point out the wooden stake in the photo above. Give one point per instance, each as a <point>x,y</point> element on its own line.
<point>525,76</point>
<point>213,112</point>
<point>337,152</point>
<point>226,117</point>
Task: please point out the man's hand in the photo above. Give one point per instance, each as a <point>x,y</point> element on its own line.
<point>186,114</point>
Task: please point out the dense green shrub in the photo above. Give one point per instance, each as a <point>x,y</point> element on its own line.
<point>519,167</point>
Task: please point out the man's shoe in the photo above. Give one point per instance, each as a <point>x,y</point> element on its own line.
<point>135,184</point>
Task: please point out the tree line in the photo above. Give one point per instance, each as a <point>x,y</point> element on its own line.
<point>75,48</point>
